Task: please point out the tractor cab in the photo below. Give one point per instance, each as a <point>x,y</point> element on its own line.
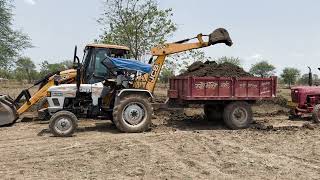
<point>93,70</point>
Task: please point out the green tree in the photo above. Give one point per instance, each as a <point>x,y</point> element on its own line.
<point>12,42</point>
<point>232,60</point>
<point>290,75</point>
<point>179,62</point>
<point>262,69</point>
<point>304,79</point>
<point>67,64</point>
<point>46,67</point>
<point>5,73</point>
<point>25,69</point>
<point>138,24</point>
<point>166,74</point>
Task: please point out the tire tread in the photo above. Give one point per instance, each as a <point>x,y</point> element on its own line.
<point>228,119</point>
<point>63,113</point>
<point>117,113</point>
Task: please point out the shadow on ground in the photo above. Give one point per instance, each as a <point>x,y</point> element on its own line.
<point>89,126</point>
<point>193,123</point>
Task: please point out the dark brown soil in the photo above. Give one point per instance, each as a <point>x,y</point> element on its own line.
<point>213,69</point>
<point>280,100</point>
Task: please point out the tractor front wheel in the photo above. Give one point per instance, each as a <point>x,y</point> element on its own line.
<point>133,114</point>
<point>316,113</point>
<point>63,124</point>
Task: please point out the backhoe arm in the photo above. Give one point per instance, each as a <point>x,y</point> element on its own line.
<point>65,77</point>
<point>218,36</point>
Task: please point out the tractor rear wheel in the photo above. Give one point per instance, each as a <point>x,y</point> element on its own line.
<point>213,112</point>
<point>133,114</point>
<point>316,113</point>
<point>237,115</point>
<point>63,124</point>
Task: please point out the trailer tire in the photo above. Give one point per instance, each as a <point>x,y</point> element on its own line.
<point>63,124</point>
<point>316,113</point>
<point>133,114</point>
<point>213,112</point>
<point>237,115</point>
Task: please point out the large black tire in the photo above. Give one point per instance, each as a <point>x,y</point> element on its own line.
<point>63,124</point>
<point>133,114</point>
<point>237,115</point>
<point>213,112</point>
<point>316,113</point>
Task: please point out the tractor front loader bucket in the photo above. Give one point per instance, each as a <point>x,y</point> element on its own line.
<point>8,111</point>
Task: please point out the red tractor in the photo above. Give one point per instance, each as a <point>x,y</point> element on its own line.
<point>305,101</point>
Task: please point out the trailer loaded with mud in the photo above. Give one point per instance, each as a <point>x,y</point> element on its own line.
<point>228,94</point>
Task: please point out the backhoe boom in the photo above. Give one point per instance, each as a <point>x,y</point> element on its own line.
<point>218,36</point>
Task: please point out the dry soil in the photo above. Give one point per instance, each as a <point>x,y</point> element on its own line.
<point>180,145</point>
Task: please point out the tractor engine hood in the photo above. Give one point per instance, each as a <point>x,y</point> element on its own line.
<point>307,89</point>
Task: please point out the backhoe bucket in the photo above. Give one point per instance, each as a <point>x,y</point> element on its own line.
<point>220,35</point>
<point>8,111</point>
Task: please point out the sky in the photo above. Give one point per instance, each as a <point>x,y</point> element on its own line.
<point>286,32</point>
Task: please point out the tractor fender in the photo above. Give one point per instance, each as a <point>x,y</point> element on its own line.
<point>126,92</point>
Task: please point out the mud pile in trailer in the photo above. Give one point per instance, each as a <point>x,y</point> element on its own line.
<point>213,69</point>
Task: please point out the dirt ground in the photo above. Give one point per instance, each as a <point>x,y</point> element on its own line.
<point>180,145</point>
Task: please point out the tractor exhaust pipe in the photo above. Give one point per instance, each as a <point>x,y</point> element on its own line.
<point>76,63</point>
<point>310,77</point>
<point>8,111</point>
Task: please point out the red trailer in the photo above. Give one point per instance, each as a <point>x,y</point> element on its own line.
<point>223,97</point>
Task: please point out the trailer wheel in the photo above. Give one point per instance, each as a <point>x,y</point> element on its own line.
<point>238,115</point>
<point>133,114</point>
<point>316,113</point>
<point>63,124</point>
<point>213,112</point>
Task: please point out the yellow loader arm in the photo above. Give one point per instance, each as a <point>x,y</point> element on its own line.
<point>64,77</point>
<point>218,36</point>
<point>10,109</point>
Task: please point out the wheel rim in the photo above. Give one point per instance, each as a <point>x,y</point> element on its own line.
<point>63,125</point>
<point>134,113</point>
<point>240,115</point>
